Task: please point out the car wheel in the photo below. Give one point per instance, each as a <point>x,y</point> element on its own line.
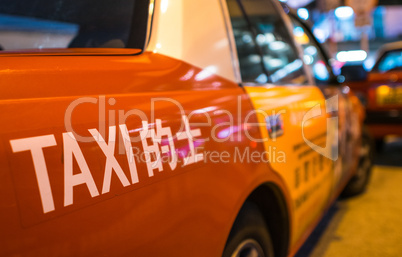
<point>249,236</point>
<point>358,183</point>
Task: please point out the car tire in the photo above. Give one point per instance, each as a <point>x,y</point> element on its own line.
<point>358,183</point>
<point>249,235</point>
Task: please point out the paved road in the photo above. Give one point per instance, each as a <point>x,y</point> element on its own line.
<point>369,225</point>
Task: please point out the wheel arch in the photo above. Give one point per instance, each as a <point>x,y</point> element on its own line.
<point>272,204</point>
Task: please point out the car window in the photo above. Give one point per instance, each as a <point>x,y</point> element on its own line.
<point>264,46</point>
<point>251,67</point>
<point>42,24</point>
<point>312,55</point>
<point>391,61</point>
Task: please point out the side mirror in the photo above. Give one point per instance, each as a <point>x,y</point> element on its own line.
<point>354,72</point>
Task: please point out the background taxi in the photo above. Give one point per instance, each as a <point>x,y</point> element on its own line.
<point>381,90</point>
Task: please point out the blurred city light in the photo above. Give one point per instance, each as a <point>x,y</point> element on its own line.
<point>262,79</point>
<point>277,45</point>
<point>383,90</point>
<point>300,36</point>
<point>298,31</point>
<point>303,13</point>
<point>261,39</point>
<point>308,59</point>
<point>351,56</point>
<point>297,3</point>
<point>320,71</point>
<point>311,50</point>
<point>344,12</point>
<point>369,63</point>
<point>320,35</point>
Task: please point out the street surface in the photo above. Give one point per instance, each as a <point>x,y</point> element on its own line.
<point>369,225</point>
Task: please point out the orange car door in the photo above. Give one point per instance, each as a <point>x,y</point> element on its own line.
<point>292,113</point>
<point>349,128</point>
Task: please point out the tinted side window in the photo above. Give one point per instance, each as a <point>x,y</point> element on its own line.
<point>41,24</point>
<point>265,48</point>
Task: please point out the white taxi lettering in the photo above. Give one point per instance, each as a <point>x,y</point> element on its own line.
<point>189,134</point>
<point>150,149</point>
<point>129,153</point>
<point>36,145</point>
<point>71,148</point>
<point>166,132</point>
<point>111,162</point>
<point>156,141</point>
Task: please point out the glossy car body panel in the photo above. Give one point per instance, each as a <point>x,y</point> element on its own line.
<point>208,194</point>
<point>290,108</point>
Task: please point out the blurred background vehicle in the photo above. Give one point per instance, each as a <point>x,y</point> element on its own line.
<point>381,91</point>
<point>366,59</point>
<point>361,45</point>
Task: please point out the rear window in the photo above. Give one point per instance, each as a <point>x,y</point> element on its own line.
<point>391,61</point>
<point>43,24</point>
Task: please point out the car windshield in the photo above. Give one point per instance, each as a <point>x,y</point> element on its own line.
<point>391,61</point>
<point>42,24</point>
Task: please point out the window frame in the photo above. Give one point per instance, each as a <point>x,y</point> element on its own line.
<point>287,23</point>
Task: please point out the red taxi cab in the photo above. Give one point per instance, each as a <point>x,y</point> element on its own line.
<point>381,90</point>
<point>384,109</point>
<point>166,128</point>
